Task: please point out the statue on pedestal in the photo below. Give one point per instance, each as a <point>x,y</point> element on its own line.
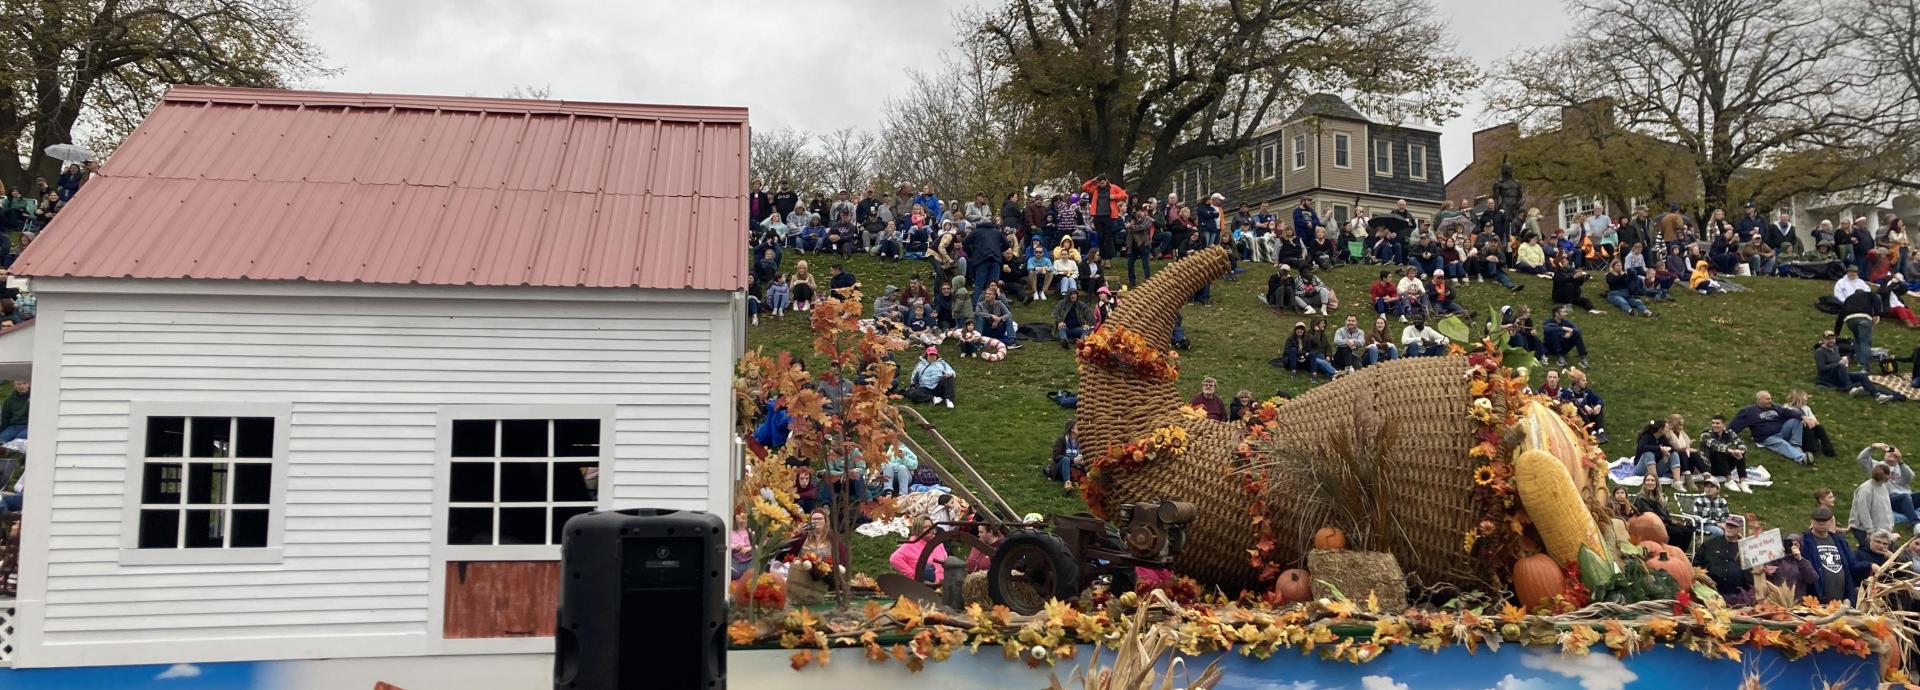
<point>1507,196</point>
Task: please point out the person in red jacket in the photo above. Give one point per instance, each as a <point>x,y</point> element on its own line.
<point>1109,208</point>
<point>1385,295</point>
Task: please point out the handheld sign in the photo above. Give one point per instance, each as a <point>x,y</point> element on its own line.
<point>1761,549</point>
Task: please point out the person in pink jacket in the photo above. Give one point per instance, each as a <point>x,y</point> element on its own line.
<point>904,558</point>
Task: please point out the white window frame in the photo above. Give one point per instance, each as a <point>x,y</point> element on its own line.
<point>1249,167</point>
<point>1179,183</point>
<point>1383,148</point>
<point>138,414</point>
<point>1299,152</point>
<point>443,472</point>
<point>1200,187</point>
<point>1269,160</point>
<point>1417,161</point>
<point>1566,212</point>
<point>1342,149</point>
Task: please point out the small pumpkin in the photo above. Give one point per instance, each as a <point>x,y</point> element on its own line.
<point>1329,538</point>
<point>1536,579</point>
<point>1294,585</point>
<point>1646,527</point>
<point>1674,561</point>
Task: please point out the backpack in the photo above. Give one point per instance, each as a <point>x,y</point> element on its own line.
<point>1064,398</point>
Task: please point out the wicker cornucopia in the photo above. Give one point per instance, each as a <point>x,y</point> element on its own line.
<point>1429,474</point>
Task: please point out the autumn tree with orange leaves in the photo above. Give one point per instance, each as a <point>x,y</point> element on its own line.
<point>862,425</point>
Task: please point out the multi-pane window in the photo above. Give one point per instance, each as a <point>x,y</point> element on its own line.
<point>1269,160</point>
<point>1417,161</point>
<point>1199,181</point>
<point>517,481</point>
<point>1341,214</point>
<point>1571,207</point>
<point>1299,151</point>
<point>1342,151</point>
<point>206,482</point>
<point>1249,167</point>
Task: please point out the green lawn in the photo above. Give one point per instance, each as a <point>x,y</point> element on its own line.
<point>1705,355</point>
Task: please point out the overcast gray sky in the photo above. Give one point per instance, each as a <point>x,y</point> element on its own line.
<point>813,65</point>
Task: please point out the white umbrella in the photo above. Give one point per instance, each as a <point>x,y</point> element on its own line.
<point>70,153</point>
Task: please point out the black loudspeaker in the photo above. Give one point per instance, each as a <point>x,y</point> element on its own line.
<point>643,602</point>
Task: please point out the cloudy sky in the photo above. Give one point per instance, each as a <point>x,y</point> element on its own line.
<point>811,64</point>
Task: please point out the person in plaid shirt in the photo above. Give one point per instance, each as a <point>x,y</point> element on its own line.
<point>1712,507</point>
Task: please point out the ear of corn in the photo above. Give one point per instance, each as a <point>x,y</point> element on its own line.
<point>1547,432</point>
<point>1547,491</point>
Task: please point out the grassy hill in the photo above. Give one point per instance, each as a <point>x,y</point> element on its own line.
<point>1705,355</point>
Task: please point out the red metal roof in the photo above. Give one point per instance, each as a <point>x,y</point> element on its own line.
<point>263,184</point>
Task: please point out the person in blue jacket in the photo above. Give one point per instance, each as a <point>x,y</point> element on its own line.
<point>1837,569</point>
<point>1587,402</point>
<point>932,202</point>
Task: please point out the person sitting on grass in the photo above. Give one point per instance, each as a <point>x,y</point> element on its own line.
<point>1380,343</point>
<point>1652,500</point>
<point>1349,342</point>
<point>1440,294</point>
<point>1242,407</point>
<point>932,380</point>
<point>994,320</point>
<point>1586,402</point>
<point>1420,340</point>
<point>1066,456</point>
<point>1831,371</point>
<point>1521,332</point>
<point>1701,280</point>
<point>1039,269</point>
<point>908,553</point>
<point>1621,289</point>
<point>1550,385</point>
<point>897,473</point>
<point>1531,258</point>
<point>1412,294</point>
<point>1311,291</point>
<point>1692,462</point>
<point>1561,336</point>
<point>1567,281</point>
<point>1072,319</point>
<point>1386,298</point>
<point>1774,427</point>
<point>1654,456</point>
<point>1301,355</point>
<point>1814,434</point>
<point>1726,455</point>
<point>1208,400</point>
<point>1899,481</point>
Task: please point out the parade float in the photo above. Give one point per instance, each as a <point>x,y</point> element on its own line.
<point>1422,522</point>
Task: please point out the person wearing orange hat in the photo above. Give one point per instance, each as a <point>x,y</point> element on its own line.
<point>932,380</point>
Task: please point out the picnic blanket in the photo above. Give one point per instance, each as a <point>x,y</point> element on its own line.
<point>1898,384</point>
<point>1621,472</point>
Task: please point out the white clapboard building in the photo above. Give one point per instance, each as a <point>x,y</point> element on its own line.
<point>320,375</point>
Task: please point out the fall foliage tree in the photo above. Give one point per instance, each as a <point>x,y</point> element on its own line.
<point>861,425</point>
<point>101,65</point>
<point>1136,89</point>
<point>1741,86</point>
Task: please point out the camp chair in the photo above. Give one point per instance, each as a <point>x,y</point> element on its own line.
<point>1680,508</point>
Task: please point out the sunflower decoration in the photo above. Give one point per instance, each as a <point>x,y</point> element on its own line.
<point>1483,475</point>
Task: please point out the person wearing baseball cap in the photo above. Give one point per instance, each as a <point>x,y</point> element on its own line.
<point>932,380</point>
<point>1836,569</point>
<point>1849,284</point>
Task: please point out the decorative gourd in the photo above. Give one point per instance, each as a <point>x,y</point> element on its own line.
<point>1594,568</point>
<point>1547,490</point>
<point>1537,578</point>
<point>1674,561</point>
<point>1329,538</point>
<point>1646,527</point>
<point>1294,585</point>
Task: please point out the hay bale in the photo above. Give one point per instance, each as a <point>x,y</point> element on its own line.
<point>974,590</point>
<point>1357,574</point>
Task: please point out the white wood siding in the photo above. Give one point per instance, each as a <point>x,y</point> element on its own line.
<point>365,378</point>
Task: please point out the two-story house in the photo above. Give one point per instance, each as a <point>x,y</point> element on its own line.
<point>1328,151</point>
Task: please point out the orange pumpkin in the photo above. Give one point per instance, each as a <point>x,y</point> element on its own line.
<point>1536,579</point>
<point>1294,585</point>
<point>1329,538</point>
<point>1646,527</point>
<point>1674,561</point>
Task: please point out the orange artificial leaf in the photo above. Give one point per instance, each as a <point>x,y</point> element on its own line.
<point>742,633</point>
<point>873,609</point>
<point>801,659</point>
<point>906,613</point>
